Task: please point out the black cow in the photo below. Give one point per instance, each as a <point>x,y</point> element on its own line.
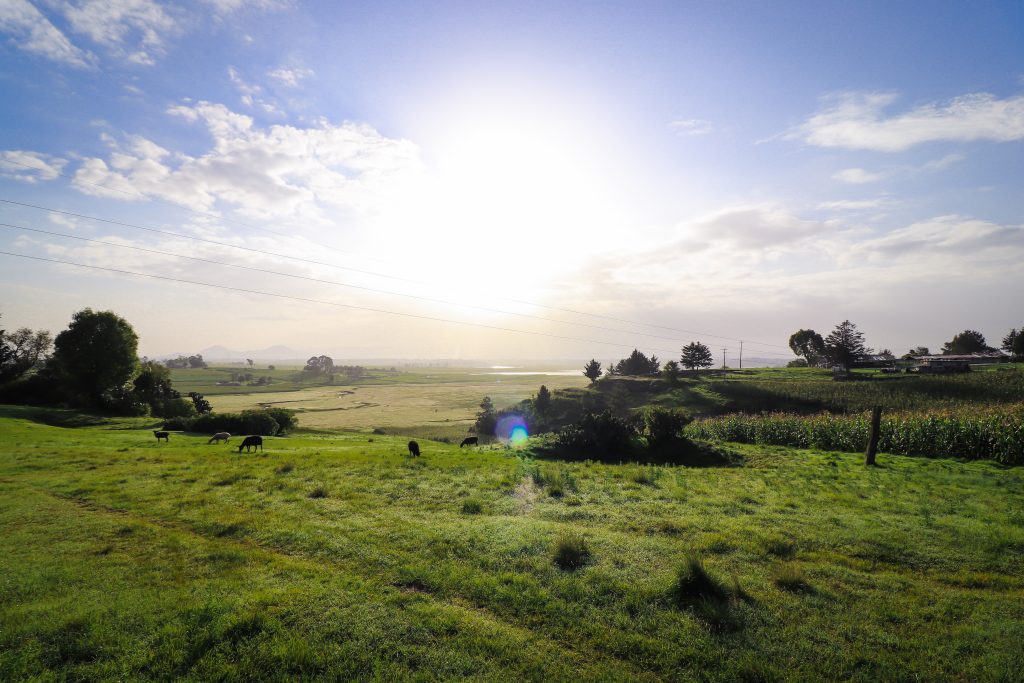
<point>251,442</point>
<point>469,441</point>
<point>162,435</point>
<point>414,449</point>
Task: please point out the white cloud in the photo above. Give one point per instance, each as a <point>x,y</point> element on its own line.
<point>30,167</point>
<point>854,204</point>
<point>690,126</point>
<point>224,7</point>
<point>133,29</point>
<point>251,94</point>
<point>857,121</point>
<point>290,77</point>
<point>37,34</point>
<point>857,176</point>
<point>277,172</point>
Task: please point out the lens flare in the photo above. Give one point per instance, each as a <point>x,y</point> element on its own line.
<point>512,429</point>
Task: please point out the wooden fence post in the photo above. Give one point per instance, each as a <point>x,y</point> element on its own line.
<point>876,421</point>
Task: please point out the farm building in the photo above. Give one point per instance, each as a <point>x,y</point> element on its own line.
<point>958,363</point>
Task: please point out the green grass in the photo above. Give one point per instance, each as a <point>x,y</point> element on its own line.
<point>126,559</point>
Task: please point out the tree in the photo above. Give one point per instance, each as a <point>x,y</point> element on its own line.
<point>196,361</point>
<point>201,404</point>
<point>697,355</point>
<point>486,419</point>
<point>97,353</point>
<point>319,365</point>
<point>22,351</point>
<point>845,345</point>
<point>249,361</point>
<point>592,370</point>
<point>809,345</point>
<point>671,372</point>
<point>152,386</point>
<point>637,364</point>
<point>968,341</point>
<point>1013,343</point>
<point>916,352</point>
<point>542,403</point>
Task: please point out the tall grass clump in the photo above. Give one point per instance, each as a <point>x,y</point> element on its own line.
<point>694,584</point>
<point>571,552</point>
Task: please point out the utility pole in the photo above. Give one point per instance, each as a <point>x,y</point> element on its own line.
<point>723,357</point>
<point>741,354</point>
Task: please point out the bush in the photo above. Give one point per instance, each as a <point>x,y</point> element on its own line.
<point>173,407</point>
<point>471,506</point>
<point>318,492</point>
<point>598,434</point>
<point>664,427</point>
<point>571,552</point>
<point>261,422</point>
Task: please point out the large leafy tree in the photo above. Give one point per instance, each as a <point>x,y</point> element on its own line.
<point>845,345</point>
<point>319,365</point>
<point>637,364</point>
<point>968,341</point>
<point>97,354</point>
<point>592,370</point>
<point>1013,343</point>
<point>697,355</point>
<point>22,351</point>
<point>809,345</point>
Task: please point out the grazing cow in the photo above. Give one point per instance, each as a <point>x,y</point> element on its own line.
<point>162,435</point>
<point>469,441</point>
<point>218,437</point>
<point>251,442</point>
<point>414,449</point>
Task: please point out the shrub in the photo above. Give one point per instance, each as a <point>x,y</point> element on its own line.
<point>471,506</point>
<point>262,422</point>
<point>571,552</point>
<point>664,427</point>
<point>318,492</point>
<point>285,468</point>
<point>597,434</point>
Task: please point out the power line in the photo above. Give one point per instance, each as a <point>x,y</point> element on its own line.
<point>320,301</point>
<point>374,274</point>
<point>329,282</point>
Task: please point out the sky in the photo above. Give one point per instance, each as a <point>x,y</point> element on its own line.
<point>516,181</point>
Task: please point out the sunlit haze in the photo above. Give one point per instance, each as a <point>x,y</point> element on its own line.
<point>550,181</point>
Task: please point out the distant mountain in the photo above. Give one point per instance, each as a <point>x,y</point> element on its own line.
<point>277,352</point>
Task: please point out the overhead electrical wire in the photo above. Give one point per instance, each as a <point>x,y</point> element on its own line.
<point>291,297</point>
<point>331,282</point>
<point>397,278</point>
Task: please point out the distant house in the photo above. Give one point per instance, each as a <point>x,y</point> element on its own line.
<point>958,363</point>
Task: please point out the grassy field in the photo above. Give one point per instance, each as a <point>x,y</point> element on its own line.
<point>336,556</point>
<point>427,402</point>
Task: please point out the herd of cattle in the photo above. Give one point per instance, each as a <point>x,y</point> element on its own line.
<point>251,443</point>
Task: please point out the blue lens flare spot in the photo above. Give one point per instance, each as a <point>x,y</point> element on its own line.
<point>512,429</point>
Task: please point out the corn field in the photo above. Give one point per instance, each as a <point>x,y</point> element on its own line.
<point>977,433</point>
<point>900,392</point>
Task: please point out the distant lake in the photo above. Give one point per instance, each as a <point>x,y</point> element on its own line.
<point>549,373</point>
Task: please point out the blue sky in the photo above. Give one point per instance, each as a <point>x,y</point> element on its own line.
<point>735,169</point>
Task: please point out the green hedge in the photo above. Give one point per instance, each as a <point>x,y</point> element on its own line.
<point>268,422</point>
